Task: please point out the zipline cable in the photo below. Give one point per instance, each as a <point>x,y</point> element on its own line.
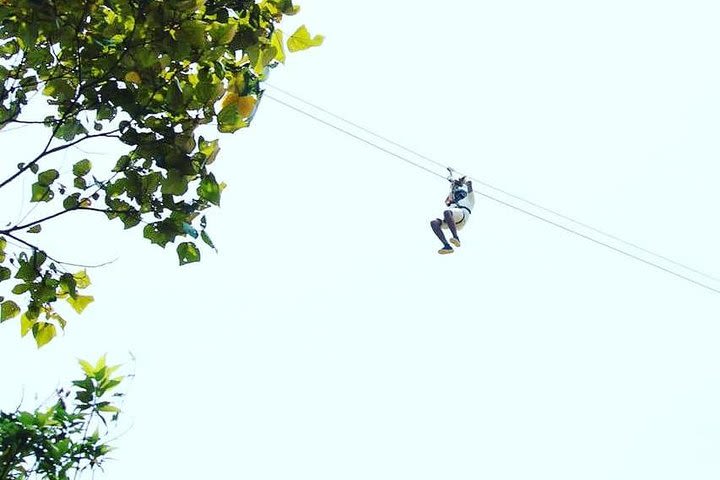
<point>486,195</point>
<point>8,130</point>
<point>504,192</point>
<point>357,137</point>
<point>599,242</point>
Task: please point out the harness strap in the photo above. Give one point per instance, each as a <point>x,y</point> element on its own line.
<point>461,206</point>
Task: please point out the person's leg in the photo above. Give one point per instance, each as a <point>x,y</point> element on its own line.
<point>436,226</point>
<point>450,222</point>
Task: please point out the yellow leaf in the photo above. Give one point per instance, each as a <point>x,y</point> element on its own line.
<point>133,77</point>
<point>81,279</point>
<point>101,363</point>
<point>109,408</point>
<point>43,333</point>
<point>87,368</point>
<point>266,55</point>
<point>238,84</point>
<point>277,42</point>
<point>245,105</point>
<point>301,40</point>
<point>80,303</point>
<point>25,325</point>
<point>61,321</point>
<point>229,99</point>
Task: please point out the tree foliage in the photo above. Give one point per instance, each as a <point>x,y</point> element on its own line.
<point>58,442</point>
<point>148,74</point>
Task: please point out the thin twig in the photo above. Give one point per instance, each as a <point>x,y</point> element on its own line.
<point>59,148</point>
<point>61,262</point>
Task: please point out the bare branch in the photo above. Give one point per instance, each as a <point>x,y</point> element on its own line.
<point>59,148</point>
<point>61,262</point>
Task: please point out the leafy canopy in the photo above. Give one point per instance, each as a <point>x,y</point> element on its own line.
<point>147,74</point>
<point>58,442</point>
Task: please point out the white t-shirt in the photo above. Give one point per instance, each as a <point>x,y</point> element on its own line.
<point>467,202</point>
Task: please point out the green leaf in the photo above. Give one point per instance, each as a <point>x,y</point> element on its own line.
<point>130,219</point>
<point>5,273</point>
<point>285,6</point>
<point>223,33</point>
<point>72,201</point>
<point>209,92</point>
<point>68,284</point>
<point>41,193</point>
<point>174,96</point>
<point>43,333</point>
<point>61,321</point>
<point>10,48</point>
<point>8,310</point>
<point>245,37</point>
<point>301,40</point>
<point>231,118</point>
<point>35,229</point>
<point>207,240</point>
<point>163,232</point>
<point>186,143</point>
<point>192,32</point>
<point>80,302</point>
<point>109,409</point>
<point>122,163</point>
<point>21,288</point>
<point>47,177</point>
<point>175,184</point>
<point>82,168</point>
<point>209,149</point>
<point>63,446</point>
<point>80,183</point>
<point>105,112</point>
<point>70,129</point>
<point>209,189</point>
<point>60,89</point>
<point>28,270</point>
<point>188,253</point>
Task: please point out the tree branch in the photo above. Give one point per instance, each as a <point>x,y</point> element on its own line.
<point>18,239</point>
<point>35,248</point>
<point>8,231</point>
<point>30,122</point>
<point>59,148</point>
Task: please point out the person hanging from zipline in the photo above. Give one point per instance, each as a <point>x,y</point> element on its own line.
<point>460,201</point>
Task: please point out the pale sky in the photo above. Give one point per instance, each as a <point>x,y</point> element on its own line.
<point>328,340</point>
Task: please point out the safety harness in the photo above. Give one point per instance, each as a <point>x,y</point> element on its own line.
<point>458,195</point>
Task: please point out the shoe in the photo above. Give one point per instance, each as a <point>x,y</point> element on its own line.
<point>446,250</point>
<point>455,241</point>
